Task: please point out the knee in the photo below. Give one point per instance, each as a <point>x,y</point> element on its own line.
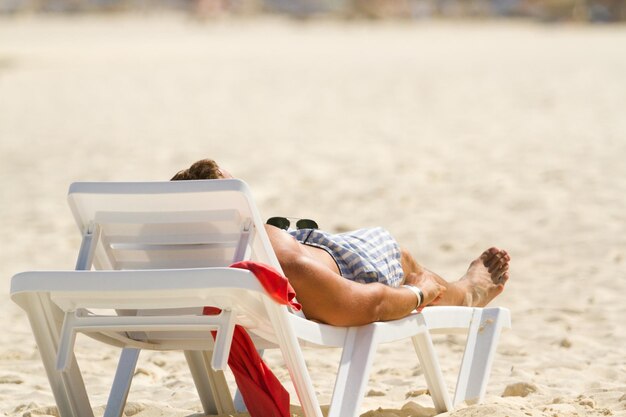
<point>409,264</point>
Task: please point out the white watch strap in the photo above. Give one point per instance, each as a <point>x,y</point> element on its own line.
<point>418,292</point>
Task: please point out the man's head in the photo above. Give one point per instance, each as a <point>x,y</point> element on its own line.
<point>205,169</point>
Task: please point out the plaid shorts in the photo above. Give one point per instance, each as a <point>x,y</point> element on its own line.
<point>365,255</point>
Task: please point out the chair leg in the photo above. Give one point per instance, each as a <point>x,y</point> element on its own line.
<point>482,340</point>
<point>75,386</point>
<point>68,387</point>
<point>211,385</point>
<point>121,382</point>
<point>294,359</point>
<point>240,405</point>
<point>425,350</point>
<point>354,369</point>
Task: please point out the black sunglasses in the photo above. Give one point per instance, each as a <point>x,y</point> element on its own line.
<point>284,223</point>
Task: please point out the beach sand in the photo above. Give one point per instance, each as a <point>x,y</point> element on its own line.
<point>454,136</point>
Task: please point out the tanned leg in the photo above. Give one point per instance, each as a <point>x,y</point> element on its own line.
<point>483,281</point>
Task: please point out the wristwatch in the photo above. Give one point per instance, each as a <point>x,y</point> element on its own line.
<point>418,292</point>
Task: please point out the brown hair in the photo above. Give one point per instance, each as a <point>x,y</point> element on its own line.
<point>205,169</point>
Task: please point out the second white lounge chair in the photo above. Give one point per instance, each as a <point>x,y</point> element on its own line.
<point>161,251</point>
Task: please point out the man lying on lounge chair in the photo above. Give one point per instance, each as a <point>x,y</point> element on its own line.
<point>329,271</point>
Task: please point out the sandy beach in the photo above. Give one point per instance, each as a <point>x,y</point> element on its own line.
<point>455,136</point>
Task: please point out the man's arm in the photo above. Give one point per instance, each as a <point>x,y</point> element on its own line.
<point>329,298</point>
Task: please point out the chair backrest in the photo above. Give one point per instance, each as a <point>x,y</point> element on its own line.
<point>172,224</point>
<point>168,225</point>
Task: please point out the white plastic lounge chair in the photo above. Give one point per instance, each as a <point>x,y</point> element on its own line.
<point>161,251</point>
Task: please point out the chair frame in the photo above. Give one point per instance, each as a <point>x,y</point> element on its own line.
<point>57,304</point>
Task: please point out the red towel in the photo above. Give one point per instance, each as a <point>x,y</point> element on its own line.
<point>262,392</point>
<point>273,281</point>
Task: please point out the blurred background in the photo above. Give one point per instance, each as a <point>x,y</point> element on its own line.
<point>545,10</point>
<point>456,125</point>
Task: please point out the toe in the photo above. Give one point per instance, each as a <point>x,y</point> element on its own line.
<point>498,272</point>
<point>494,261</point>
<point>503,270</point>
<point>490,252</point>
<point>505,255</point>
<point>486,255</point>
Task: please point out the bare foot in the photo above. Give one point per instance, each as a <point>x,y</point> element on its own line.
<point>485,277</point>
